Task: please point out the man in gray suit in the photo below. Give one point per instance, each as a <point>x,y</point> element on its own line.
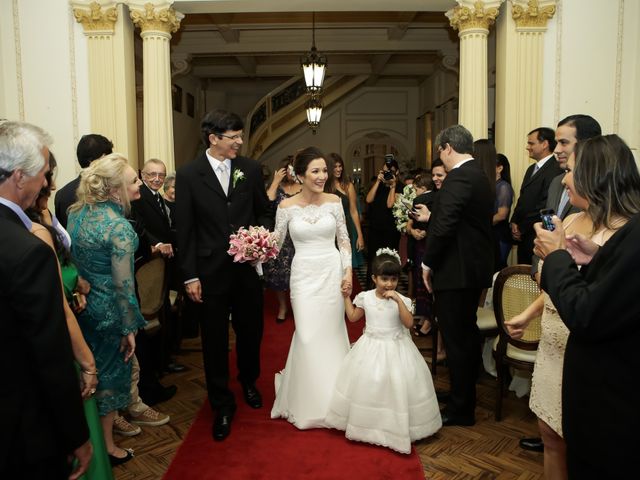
<point>570,131</point>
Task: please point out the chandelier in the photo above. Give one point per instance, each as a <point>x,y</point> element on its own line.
<point>314,112</point>
<point>314,64</point>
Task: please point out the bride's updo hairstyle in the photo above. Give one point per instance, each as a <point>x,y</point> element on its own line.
<point>102,181</point>
<point>386,262</point>
<point>304,157</point>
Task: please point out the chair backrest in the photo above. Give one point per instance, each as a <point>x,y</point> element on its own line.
<point>514,290</point>
<point>152,286</point>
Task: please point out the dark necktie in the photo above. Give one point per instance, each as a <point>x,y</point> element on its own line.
<point>161,203</point>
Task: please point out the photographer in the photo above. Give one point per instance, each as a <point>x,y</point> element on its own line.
<point>380,200</point>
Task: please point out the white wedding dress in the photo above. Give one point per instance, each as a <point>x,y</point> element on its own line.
<point>320,341</point>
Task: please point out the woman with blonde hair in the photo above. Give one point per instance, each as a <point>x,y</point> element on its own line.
<point>103,245</point>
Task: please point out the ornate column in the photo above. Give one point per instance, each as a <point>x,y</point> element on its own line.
<point>519,60</point>
<point>111,74</point>
<point>157,21</point>
<point>472,19</point>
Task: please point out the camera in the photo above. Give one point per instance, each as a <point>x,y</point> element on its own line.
<point>388,175</point>
<point>546,215</point>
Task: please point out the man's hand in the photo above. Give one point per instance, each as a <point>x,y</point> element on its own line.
<point>194,290</point>
<point>165,249</point>
<point>426,278</point>
<point>515,232</point>
<point>581,248</point>
<point>422,213</point>
<point>548,241</point>
<point>83,453</point>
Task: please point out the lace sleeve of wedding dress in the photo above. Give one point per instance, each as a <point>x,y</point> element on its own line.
<point>282,221</point>
<point>342,236</point>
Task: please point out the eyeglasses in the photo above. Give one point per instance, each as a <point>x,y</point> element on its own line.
<point>159,176</point>
<point>233,138</point>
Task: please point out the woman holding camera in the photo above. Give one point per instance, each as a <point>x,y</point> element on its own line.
<point>382,225</point>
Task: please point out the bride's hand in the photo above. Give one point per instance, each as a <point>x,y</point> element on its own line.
<point>346,285</point>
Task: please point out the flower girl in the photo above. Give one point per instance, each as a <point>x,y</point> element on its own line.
<point>384,393</point>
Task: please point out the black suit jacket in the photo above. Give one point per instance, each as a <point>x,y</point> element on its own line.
<point>533,195</point>
<point>43,415</point>
<point>459,245</point>
<point>147,210</point>
<point>65,197</point>
<point>555,194</point>
<point>600,306</point>
<point>206,218</point>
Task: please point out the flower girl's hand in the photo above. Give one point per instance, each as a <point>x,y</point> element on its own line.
<point>391,295</point>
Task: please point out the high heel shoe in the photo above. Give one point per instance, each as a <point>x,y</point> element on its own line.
<point>119,461</point>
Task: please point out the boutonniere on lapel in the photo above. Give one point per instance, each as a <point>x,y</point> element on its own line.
<point>238,176</point>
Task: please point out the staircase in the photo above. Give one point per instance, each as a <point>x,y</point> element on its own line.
<point>283,109</point>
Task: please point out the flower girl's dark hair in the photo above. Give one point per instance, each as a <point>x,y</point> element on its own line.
<point>386,262</point>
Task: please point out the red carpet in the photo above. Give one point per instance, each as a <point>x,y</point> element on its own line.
<point>261,448</point>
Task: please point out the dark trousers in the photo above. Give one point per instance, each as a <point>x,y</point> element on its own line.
<point>244,302</point>
<point>54,468</point>
<point>525,247</point>
<point>456,315</point>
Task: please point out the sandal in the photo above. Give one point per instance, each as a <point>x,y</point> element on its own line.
<point>417,331</point>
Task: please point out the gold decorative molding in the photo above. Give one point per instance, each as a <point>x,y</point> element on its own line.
<point>96,19</point>
<point>533,16</point>
<point>465,18</point>
<point>166,20</point>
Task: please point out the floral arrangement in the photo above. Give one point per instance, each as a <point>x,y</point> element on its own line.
<point>255,245</point>
<point>401,207</point>
<point>238,176</point>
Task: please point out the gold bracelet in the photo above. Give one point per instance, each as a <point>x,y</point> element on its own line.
<point>90,373</point>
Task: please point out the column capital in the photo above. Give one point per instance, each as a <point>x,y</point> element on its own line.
<point>473,15</point>
<point>533,14</point>
<point>95,17</point>
<point>150,17</point>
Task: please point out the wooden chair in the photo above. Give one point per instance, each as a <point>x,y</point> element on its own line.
<point>514,290</point>
<point>152,289</point>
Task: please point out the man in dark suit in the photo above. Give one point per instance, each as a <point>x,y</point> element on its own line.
<point>533,192</point>
<point>90,148</point>
<point>570,131</point>
<point>152,210</point>
<point>216,194</point>
<point>458,264</point>
<point>43,421</point>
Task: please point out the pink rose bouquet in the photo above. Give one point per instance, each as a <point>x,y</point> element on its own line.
<point>255,245</point>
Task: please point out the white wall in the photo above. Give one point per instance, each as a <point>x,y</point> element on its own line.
<point>591,65</point>
<point>43,78</point>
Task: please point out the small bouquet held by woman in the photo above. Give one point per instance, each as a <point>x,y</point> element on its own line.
<point>255,245</point>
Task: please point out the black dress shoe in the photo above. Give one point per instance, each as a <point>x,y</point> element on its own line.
<point>174,367</point>
<point>252,396</point>
<point>222,425</point>
<point>451,420</point>
<point>443,397</point>
<point>533,444</point>
<point>158,394</point>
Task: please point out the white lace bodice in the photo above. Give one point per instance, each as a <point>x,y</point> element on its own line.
<point>313,228</point>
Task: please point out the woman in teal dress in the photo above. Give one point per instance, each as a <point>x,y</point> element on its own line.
<point>343,187</point>
<point>103,243</point>
<point>47,228</point>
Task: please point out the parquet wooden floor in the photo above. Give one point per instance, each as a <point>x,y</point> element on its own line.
<point>488,450</point>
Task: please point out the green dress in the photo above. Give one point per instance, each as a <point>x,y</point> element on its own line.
<point>100,466</point>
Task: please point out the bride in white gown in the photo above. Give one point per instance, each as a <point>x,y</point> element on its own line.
<point>320,277</point>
